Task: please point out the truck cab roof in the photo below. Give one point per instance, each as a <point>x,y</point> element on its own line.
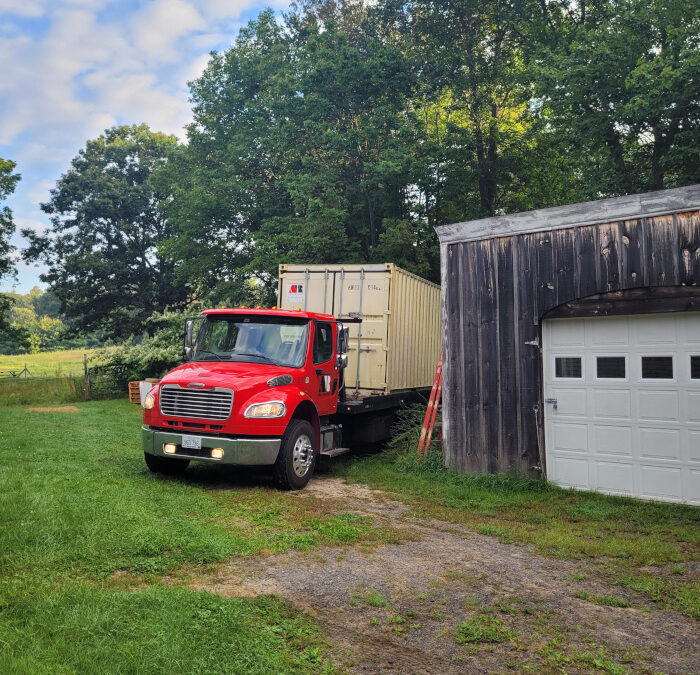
<point>285,313</point>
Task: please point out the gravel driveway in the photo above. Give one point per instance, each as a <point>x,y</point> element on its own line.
<point>398,608</point>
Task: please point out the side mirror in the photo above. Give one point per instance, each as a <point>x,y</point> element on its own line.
<point>188,340</point>
<point>341,360</point>
<point>343,333</point>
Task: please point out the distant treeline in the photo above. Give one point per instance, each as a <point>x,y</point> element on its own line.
<point>344,132</point>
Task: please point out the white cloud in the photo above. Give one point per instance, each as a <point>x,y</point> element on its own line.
<point>30,224</point>
<point>158,26</point>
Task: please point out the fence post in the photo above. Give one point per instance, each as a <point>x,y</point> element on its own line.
<point>86,381</point>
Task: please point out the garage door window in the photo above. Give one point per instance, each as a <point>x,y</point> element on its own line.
<point>657,367</point>
<point>695,367</point>
<point>567,367</point>
<point>611,367</point>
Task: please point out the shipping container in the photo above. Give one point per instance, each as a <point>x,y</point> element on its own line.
<point>398,338</point>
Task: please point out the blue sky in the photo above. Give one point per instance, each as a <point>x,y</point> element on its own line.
<point>71,68</point>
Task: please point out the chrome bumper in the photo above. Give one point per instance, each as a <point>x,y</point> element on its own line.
<point>241,451</point>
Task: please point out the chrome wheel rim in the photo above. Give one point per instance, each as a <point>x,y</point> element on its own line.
<point>302,455</point>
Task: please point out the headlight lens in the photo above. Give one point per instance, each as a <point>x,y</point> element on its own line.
<point>149,401</point>
<point>266,410</point>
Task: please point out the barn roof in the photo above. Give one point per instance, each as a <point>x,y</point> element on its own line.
<point>573,215</point>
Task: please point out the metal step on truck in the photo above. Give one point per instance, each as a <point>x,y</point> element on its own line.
<point>323,371</point>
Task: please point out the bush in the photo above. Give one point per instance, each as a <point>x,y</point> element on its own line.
<point>151,356</point>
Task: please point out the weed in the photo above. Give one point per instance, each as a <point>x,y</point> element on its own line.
<point>605,600</point>
<point>374,621</point>
<point>579,576</point>
<point>375,599</point>
<point>438,616</point>
<point>483,628</point>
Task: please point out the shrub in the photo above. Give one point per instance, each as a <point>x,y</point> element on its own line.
<point>151,356</point>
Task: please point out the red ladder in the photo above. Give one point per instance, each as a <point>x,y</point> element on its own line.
<point>426,433</point>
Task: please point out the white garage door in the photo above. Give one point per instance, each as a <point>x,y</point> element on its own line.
<point>622,404</point>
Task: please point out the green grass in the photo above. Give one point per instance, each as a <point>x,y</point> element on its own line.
<point>375,599</point>
<point>620,536</point>
<point>483,628</point>
<point>88,534</point>
<point>47,364</point>
<point>605,600</point>
<point>41,391</point>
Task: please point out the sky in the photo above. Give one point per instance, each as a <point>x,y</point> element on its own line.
<point>69,69</point>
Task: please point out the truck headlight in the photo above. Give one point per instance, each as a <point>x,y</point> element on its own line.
<point>149,401</point>
<point>266,410</point>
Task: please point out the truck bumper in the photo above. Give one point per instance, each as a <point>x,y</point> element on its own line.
<point>240,451</point>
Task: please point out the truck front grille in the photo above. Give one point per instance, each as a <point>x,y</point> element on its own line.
<point>207,404</point>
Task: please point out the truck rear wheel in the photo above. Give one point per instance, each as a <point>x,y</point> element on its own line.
<point>169,467</point>
<point>297,458</point>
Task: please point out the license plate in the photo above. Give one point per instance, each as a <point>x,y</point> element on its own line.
<point>192,442</point>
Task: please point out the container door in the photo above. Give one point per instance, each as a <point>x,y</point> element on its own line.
<point>364,294</point>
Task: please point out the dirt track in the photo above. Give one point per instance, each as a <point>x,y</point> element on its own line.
<point>446,575</point>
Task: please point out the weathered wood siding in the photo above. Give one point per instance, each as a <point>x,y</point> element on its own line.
<point>496,291</point>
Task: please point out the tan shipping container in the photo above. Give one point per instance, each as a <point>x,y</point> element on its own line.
<point>399,337</point>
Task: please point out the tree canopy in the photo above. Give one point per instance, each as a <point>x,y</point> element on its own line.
<point>345,131</point>
<point>107,222</point>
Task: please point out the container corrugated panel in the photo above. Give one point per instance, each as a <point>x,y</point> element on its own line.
<point>399,337</point>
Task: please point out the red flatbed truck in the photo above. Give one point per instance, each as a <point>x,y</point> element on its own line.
<point>264,387</point>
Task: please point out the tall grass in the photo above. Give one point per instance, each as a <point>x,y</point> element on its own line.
<point>40,391</point>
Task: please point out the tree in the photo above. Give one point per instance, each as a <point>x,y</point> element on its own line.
<point>622,80</point>
<point>108,221</point>
<point>299,152</point>
<point>8,182</point>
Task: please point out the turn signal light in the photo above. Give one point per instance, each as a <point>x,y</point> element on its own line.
<point>169,448</point>
<point>217,453</point>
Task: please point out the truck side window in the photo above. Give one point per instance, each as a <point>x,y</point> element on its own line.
<point>323,343</point>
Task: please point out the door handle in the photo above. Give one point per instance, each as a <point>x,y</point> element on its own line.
<point>553,401</point>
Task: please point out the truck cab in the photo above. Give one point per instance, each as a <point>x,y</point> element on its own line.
<point>259,387</point>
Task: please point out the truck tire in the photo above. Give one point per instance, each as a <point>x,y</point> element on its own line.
<point>297,457</point>
<point>169,467</point>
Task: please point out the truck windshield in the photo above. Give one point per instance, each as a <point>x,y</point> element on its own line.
<point>259,339</point>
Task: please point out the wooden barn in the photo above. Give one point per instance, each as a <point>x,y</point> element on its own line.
<point>571,344</point>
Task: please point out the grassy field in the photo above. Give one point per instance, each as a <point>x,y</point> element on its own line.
<point>46,364</point>
<point>84,520</point>
<point>97,554</point>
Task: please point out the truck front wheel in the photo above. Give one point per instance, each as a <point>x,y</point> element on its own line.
<point>170,467</point>
<point>297,458</point>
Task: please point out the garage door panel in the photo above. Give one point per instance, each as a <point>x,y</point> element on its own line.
<point>631,436</point>
<point>613,440</point>
<point>612,332</point>
<point>694,446</point>
<point>660,443</point>
<point>570,402</point>
<point>692,486</point>
<point>654,330</point>
<point>568,335</point>
<point>658,405</point>
<point>615,477</point>
<point>612,403</point>
<point>571,437</point>
<point>693,400</point>
<point>571,472</point>
<point>659,482</point>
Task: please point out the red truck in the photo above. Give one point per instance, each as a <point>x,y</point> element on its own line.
<point>267,387</point>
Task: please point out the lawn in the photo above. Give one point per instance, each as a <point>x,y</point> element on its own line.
<point>82,515</point>
<point>97,555</point>
<point>46,364</point>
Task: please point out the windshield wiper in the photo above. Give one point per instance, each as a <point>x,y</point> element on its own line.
<point>259,356</point>
<point>206,351</point>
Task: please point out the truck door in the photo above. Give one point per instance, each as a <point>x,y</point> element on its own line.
<point>325,371</point>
